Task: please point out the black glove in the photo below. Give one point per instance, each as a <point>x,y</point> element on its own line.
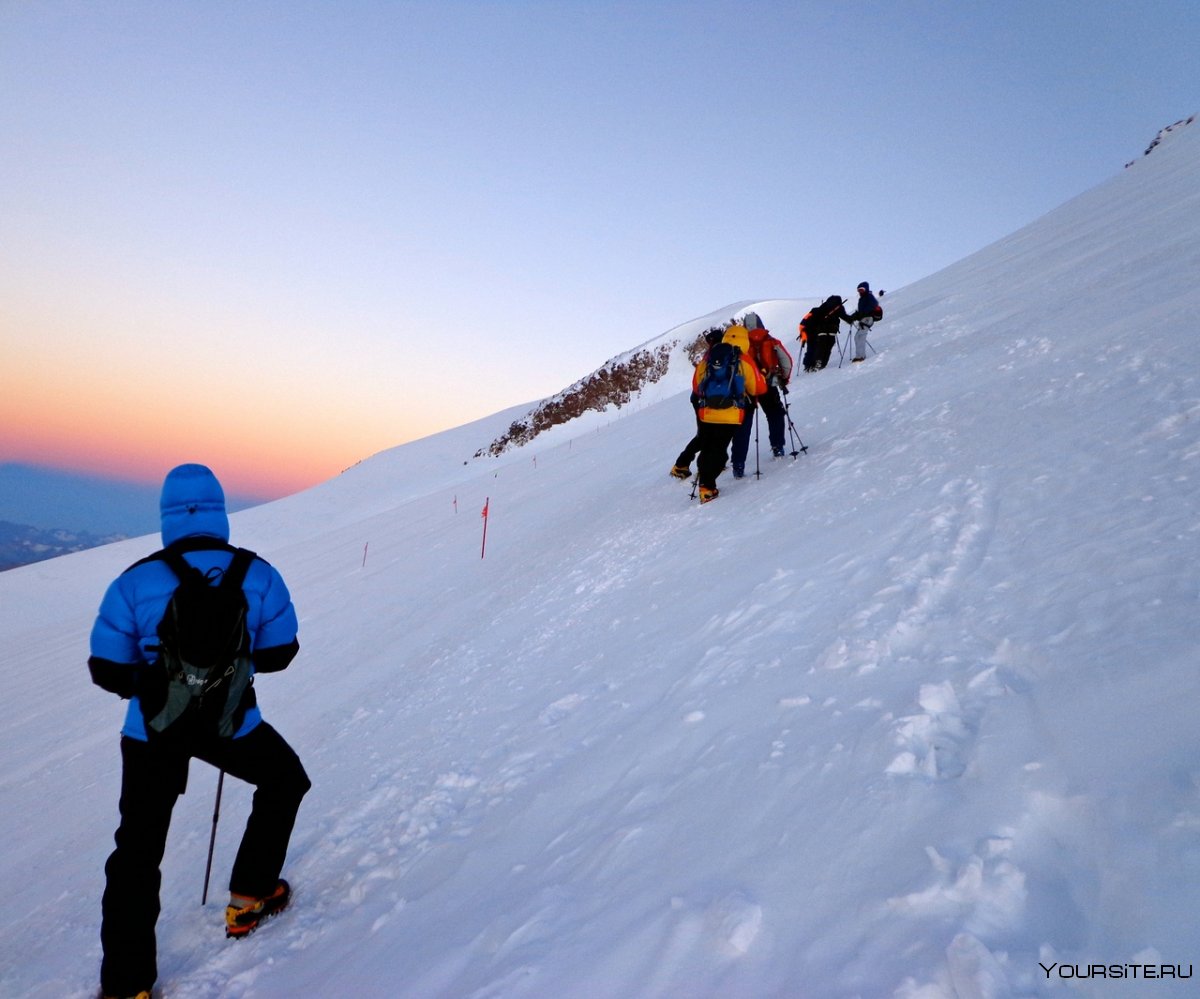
<point>150,687</point>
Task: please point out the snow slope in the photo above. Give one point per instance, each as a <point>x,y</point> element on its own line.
<point>911,716</point>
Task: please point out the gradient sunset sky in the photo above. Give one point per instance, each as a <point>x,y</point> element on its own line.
<point>280,237</point>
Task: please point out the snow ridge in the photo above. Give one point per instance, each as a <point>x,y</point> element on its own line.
<point>1165,132</point>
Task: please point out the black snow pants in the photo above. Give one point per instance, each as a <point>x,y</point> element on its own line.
<point>714,451</point>
<point>772,407</point>
<point>820,346</point>
<point>152,779</point>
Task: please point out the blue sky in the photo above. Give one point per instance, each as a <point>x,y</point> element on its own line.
<point>332,227</point>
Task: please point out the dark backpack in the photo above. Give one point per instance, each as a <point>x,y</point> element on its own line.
<point>722,385</point>
<point>204,650</point>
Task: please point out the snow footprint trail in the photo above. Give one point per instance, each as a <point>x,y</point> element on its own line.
<point>923,640</point>
<point>938,742</point>
<point>933,740</point>
<point>1016,891</point>
<point>986,891</point>
<point>931,563</point>
<point>998,873</point>
<point>349,868</point>
<point>723,926</point>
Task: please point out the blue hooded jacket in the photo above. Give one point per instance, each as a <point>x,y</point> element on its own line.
<point>867,303</point>
<point>194,521</point>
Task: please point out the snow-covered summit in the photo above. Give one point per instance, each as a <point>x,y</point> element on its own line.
<point>1165,133</point>
<point>659,368</point>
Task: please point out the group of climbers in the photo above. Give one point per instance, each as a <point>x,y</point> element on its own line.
<point>745,368</point>
<point>819,327</point>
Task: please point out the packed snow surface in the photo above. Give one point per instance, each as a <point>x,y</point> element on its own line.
<point>912,715</point>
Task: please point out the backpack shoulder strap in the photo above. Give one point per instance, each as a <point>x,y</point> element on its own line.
<point>235,572</point>
<point>172,557</point>
<point>176,563</point>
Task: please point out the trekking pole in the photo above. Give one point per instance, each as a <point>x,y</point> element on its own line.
<point>212,842</point>
<point>757,467</point>
<point>792,429</point>
<point>791,434</point>
<point>871,345</point>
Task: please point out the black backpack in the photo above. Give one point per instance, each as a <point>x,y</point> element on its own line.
<point>204,649</point>
<point>722,385</point>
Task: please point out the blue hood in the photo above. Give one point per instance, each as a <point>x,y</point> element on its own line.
<point>192,503</point>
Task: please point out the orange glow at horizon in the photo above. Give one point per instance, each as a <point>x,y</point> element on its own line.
<point>247,474</point>
<point>123,384</point>
<point>270,449</point>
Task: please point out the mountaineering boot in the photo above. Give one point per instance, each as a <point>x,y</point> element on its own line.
<point>776,452</point>
<point>855,360</point>
<point>707,494</point>
<point>739,471</point>
<point>144,994</point>
<point>680,472</point>
<point>243,914</point>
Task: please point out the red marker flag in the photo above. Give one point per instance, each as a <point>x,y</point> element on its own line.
<point>484,514</point>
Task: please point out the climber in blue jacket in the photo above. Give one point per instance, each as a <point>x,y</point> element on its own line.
<point>125,660</point>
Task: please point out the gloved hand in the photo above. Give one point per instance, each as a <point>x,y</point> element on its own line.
<point>150,688</point>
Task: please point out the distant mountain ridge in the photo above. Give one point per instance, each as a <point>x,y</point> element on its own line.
<point>46,512</point>
<point>21,544</point>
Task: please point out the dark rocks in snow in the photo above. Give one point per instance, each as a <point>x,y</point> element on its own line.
<point>615,384</point>
<point>1163,133</point>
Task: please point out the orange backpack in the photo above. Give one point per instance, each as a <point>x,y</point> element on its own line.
<point>803,337</point>
<point>762,347</point>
